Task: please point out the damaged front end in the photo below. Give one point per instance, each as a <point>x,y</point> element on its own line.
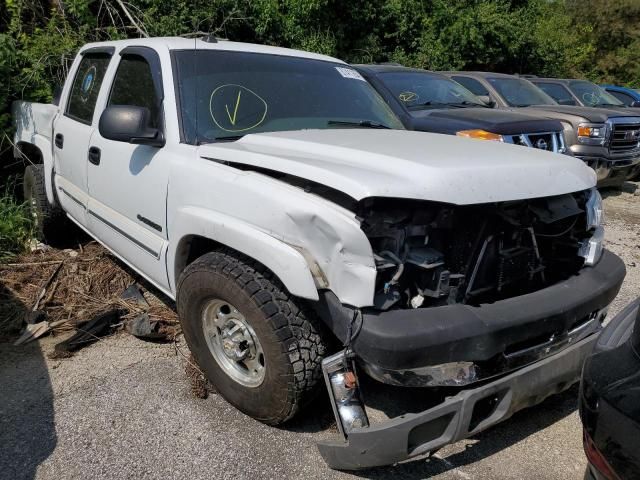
<point>429,254</point>
<point>479,311</point>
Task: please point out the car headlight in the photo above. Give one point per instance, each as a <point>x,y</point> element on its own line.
<point>480,135</point>
<point>592,133</point>
<point>591,249</point>
<point>595,210</point>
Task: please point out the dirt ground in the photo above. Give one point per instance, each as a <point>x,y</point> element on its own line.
<point>124,408</point>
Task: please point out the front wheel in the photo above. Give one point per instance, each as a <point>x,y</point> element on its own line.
<point>254,343</point>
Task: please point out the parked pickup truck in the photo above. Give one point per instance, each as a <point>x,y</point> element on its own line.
<point>430,102</point>
<point>276,197</point>
<point>606,139</point>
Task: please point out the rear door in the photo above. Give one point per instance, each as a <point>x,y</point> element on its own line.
<point>128,182</point>
<point>73,129</point>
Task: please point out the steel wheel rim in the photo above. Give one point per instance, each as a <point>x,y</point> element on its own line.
<point>233,343</point>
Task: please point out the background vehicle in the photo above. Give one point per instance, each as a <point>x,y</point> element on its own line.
<point>430,102</point>
<point>279,200</point>
<point>610,399</point>
<point>579,92</point>
<point>605,139</point>
<point>629,96</point>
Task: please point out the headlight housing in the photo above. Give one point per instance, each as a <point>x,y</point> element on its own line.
<point>595,210</point>
<point>480,135</point>
<point>592,133</point>
<point>591,249</point>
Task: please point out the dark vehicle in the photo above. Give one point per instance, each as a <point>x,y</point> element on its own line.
<point>629,96</point>
<point>430,102</point>
<point>604,138</point>
<point>610,400</point>
<point>579,92</point>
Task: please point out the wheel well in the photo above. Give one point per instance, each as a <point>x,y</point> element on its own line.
<point>28,152</point>
<point>191,248</point>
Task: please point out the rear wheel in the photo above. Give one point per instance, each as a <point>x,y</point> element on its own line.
<point>255,344</point>
<point>52,225</point>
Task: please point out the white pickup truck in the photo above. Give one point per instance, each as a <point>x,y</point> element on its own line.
<point>305,235</point>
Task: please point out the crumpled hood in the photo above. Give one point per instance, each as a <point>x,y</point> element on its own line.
<point>403,164</point>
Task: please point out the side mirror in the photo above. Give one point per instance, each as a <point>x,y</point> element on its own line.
<point>567,101</point>
<point>128,123</point>
<point>487,99</point>
<point>635,104</point>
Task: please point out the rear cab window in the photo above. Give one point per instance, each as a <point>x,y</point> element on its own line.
<point>86,86</point>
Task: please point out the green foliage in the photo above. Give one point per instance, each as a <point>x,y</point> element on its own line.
<point>16,225</point>
<point>598,39</point>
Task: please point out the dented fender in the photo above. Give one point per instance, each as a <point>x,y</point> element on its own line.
<point>283,260</point>
<point>309,242</point>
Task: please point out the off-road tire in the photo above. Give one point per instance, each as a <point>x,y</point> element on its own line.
<point>291,338</point>
<point>51,223</point>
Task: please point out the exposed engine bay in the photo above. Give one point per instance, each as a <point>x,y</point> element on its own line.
<point>429,254</point>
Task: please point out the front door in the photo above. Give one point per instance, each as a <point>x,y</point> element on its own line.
<point>72,131</point>
<point>128,182</point>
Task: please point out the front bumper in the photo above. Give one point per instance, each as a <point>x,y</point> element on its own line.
<point>458,417</point>
<point>498,337</point>
<point>611,170</point>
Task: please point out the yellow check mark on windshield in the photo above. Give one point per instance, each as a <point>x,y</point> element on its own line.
<point>235,110</point>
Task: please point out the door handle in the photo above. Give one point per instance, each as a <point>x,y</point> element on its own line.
<point>94,155</point>
<point>59,141</point>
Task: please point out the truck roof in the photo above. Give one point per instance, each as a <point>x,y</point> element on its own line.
<point>480,74</point>
<point>181,43</point>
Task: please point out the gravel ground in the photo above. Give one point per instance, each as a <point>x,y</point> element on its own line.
<point>123,408</point>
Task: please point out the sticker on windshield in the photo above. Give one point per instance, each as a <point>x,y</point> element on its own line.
<point>88,81</point>
<point>350,73</point>
<point>407,97</point>
<point>235,108</point>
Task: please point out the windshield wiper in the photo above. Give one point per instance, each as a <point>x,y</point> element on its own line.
<point>430,103</point>
<point>228,138</point>
<point>467,103</point>
<point>607,105</point>
<point>361,124</point>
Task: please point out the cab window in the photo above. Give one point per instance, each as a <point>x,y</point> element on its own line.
<point>472,85</point>
<point>86,86</point>
<point>559,93</point>
<point>623,97</point>
<point>133,85</point>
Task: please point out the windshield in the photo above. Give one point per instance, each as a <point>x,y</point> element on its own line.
<point>417,90</point>
<point>520,93</point>
<point>226,94</point>
<point>592,95</point>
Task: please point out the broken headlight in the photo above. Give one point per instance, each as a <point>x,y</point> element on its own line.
<point>592,133</point>
<point>595,210</point>
<point>591,249</point>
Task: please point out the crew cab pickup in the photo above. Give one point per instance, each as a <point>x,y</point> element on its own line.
<point>276,197</point>
<point>430,102</point>
<point>605,139</point>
